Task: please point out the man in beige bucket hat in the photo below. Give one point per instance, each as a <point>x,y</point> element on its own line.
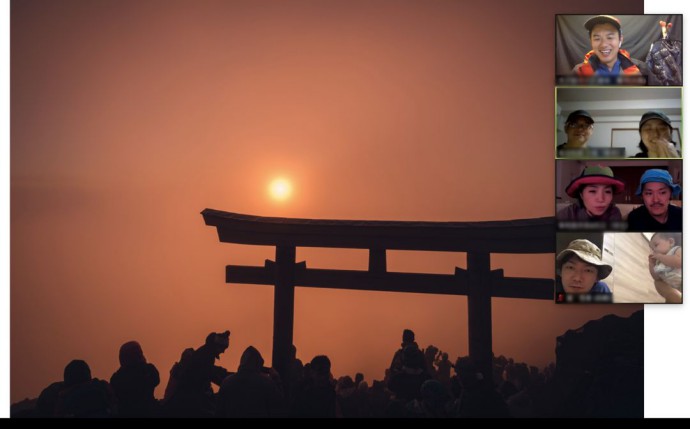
<point>581,269</point>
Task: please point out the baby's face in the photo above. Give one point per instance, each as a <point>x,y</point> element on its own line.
<point>661,245</point>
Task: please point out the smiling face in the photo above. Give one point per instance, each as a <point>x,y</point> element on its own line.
<point>578,276</point>
<point>606,41</point>
<point>579,131</point>
<point>596,199</point>
<point>654,130</point>
<point>657,197</point>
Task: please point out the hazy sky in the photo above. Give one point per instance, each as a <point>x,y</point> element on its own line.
<point>130,117</point>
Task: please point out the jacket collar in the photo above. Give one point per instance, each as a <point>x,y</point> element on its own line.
<point>623,56</point>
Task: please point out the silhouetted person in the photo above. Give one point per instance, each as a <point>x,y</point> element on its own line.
<point>443,366</point>
<point>316,397</point>
<point>134,383</point>
<point>194,396</point>
<point>455,384</point>
<point>176,372</point>
<point>345,390</point>
<point>379,397</point>
<point>478,397</point>
<point>429,357</point>
<point>83,396</point>
<point>359,377</point>
<point>252,391</point>
<point>521,403</point>
<point>363,399</point>
<point>507,387</point>
<point>407,340</point>
<point>47,400</point>
<point>294,376</point>
<point>433,402</point>
<point>406,383</point>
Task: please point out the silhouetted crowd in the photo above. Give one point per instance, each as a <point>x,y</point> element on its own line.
<point>420,383</point>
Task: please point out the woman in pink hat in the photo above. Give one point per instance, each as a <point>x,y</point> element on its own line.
<point>594,190</point>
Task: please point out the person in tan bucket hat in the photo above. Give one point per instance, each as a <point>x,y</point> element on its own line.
<point>580,269</point>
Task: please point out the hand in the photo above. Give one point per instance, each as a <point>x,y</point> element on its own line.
<point>662,148</point>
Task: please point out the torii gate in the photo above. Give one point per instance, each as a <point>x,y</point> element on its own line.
<point>478,282</point>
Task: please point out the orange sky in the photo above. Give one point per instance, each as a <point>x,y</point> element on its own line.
<point>129,118</point>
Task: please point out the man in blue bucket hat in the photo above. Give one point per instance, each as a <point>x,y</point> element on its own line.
<point>657,213</point>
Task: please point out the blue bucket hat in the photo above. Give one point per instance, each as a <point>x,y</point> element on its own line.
<point>661,176</point>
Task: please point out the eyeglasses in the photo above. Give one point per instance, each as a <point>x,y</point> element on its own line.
<point>580,126</point>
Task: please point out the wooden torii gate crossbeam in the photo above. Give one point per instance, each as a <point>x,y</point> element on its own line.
<point>478,282</point>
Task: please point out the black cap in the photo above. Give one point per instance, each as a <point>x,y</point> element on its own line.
<point>579,113</point>
<point>602,19</point>
<point>655,114</point>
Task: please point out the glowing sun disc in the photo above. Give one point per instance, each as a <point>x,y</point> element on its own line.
<point>280,189</point>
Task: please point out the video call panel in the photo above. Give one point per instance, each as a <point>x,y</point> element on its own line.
<point>635,50</point>
<point>618,151</point>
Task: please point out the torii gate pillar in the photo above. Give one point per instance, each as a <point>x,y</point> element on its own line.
<point>283,307</point>
<point>479,311</point>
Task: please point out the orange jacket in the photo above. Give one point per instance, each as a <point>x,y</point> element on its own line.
<point>591,63</point>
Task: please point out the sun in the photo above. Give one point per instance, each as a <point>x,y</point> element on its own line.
<point>280,189</point>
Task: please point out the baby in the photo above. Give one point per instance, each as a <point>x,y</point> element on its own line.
<point>665,264</point>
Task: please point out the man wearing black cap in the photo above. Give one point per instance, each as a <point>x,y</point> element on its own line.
<point>606,57</point>
<point>578,128</point>
<point>655,136</point>
<point>407,341</point>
